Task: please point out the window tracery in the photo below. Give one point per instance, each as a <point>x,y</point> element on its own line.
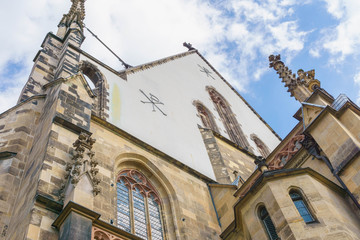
<point>138,206</point>
<point>228,118</point>
<point>287,152</point>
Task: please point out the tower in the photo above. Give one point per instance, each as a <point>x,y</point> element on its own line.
<point>168,150</point>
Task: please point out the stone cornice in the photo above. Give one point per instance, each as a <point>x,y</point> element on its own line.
<point>48,203</point>
<point>74,207</point>
<point>220,185</point>
<point>6,155</point>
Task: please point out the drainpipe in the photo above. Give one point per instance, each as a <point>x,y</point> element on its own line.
<point>313,149</point>
<point>212,200</point>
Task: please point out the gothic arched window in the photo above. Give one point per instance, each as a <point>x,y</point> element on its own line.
<point>92,73</point>
<point>261,146</point>
<point>301,206</point>
<point>228,118</point>
<point>206,117</point>
<point>268,224</point>
<point>138,206</point>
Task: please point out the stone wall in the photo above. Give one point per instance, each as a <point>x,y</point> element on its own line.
<point>226,158</point>
<point>224,201</point>
<point>187,210</point>
<point>45,63</point>
<point>18,127</point>
<point>236,160</point>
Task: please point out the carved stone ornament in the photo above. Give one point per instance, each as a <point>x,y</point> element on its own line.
<point>83,163</point>
<point>260,161</point>
<point>311,146</point>
<point>99,234</point>
<point>287,152</point>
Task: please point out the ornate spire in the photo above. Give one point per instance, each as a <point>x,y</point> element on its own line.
<point>300,87</point>
<point>74,19</point>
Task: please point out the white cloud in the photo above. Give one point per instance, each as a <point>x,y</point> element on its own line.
<point>343,39</point>
<point>233,34</point>
<point>336,8</point>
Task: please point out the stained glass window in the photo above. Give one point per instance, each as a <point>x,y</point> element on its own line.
<point>138,206</point>
<point>269,226</point>
<point>301,207</point>
<point>155,219</point>
<point>123,206</point>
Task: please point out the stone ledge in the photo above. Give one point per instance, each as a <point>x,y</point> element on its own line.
<point>49,203</point>
<point>6,155</point>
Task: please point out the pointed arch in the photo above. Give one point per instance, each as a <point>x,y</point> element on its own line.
<point>228,118</point>
<point>302,205</point>
<point>268,224</point>
<point>261,146</point>
<point>169,209</point>
<point>206,116</point>
<point>138,205</point>
<point>100,105</point>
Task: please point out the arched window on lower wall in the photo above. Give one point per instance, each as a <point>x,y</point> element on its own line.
<point>301,206</point>
<point>138,206</point>
<point>268,224</point>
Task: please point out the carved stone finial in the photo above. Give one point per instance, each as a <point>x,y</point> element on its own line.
<point>83,164</point>
<point>299,87</point>
<point>76,15</point>
<point>308,79</point>
<point>188,46</point>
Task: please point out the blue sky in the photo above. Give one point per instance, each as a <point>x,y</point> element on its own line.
<point>236,36</point>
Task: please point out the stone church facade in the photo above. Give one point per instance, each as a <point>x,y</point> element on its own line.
<point>169,150</point>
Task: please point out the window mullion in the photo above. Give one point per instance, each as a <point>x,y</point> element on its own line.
<point>148,224</point>
<point>132,221</point>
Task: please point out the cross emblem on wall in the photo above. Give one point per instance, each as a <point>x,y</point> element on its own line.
<point>154,101</point>
<point>206,71</point>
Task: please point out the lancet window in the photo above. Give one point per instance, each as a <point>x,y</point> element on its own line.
<point>261,146</point>
<point>228,118</point>
<point>301,206</point>
<point>268,224</point>
<point>206,117</point>
<point>138,206</point>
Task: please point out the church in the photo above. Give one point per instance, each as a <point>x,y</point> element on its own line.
<point>170,150</point>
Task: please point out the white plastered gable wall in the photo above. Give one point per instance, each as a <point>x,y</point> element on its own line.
<point>176,84</point>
